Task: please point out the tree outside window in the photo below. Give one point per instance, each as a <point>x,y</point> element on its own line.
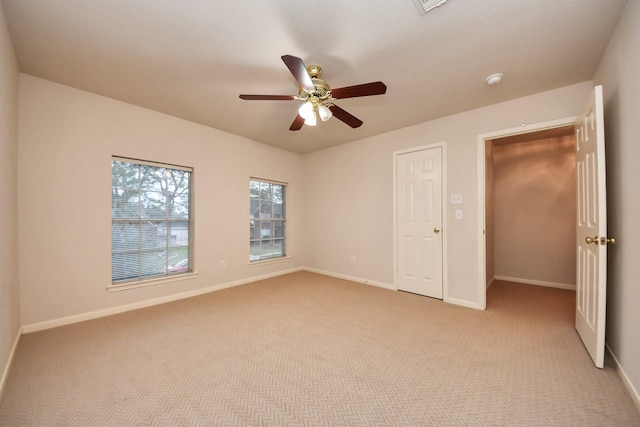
<point>151,220</point>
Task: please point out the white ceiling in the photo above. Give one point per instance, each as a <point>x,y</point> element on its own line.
<point>192,58</point>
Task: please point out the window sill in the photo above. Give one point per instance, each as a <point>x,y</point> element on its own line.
<point>269,261</point>
<point>152,282</point>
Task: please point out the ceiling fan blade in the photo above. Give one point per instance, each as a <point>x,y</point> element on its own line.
<point>341,114</point>
<point>268,97</point>
<point>366,89</point>
<point>297,123</point>
<point>299,71</point>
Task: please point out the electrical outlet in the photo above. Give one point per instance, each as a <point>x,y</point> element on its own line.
<point>223,264</point>
<point>352,259</point>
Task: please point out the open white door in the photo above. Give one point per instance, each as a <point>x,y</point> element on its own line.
<point>591,233</point>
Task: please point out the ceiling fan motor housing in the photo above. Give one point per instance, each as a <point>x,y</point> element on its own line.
<point>321,89</point>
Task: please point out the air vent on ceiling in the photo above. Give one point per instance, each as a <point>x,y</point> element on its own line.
<point>425,6</point>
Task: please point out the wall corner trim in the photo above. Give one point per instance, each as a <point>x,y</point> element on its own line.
<point>635,396</point>
<point>567,286</point>
<point>463,303</point>
<point>351,278</point>
<point>7,368</point>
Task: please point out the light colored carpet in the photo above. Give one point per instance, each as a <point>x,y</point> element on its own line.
<point>310,350</point>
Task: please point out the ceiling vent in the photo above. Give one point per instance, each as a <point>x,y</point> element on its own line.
<point>425,6</point>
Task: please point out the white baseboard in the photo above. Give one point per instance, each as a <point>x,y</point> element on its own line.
<point>351,278</point>
<point>7,368</point>
<point>463,303</point>
<point>49,324</point>
<point>625,380</point>
<point>455,301</point>
<point>34,327</point>
<point>537,282</point>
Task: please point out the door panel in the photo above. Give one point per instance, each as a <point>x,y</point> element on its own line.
<point>419,219</point>
<point>591,229</point>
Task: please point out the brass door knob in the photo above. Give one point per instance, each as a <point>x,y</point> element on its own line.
<point>436,230</point>
<point>602,240</point>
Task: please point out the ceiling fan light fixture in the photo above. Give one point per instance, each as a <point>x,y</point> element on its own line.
<point>312,120</point>
<point>324,112</point>
<point>306,110</point>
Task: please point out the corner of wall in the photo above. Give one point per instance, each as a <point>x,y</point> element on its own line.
<point>5,374</point>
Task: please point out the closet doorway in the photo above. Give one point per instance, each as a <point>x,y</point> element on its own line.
<point>530,208</point>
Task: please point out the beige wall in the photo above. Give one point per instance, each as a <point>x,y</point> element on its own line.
<point>349,209</point>
<point>66,140</point>
<point>9,298</point>
<point>535,211</point>
<point>618,73</point>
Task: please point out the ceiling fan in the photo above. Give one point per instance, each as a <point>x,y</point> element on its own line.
<point>318,96</point>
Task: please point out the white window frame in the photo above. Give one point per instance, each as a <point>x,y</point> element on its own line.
<point>276,224</point>
<point>169,249</point>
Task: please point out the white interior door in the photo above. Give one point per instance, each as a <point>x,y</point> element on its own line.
<point>591,275</point>
<point>419,222</point>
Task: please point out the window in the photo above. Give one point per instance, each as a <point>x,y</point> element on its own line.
<point>151,220</point>
<point>266,220</point>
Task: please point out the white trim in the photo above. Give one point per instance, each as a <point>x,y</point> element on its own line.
<point>351,278</point>
<point>567,286</point>
<point>394,159</point>
<point>34,327</point>
<point>482,223</point>
<point>151,282</point>
<point>7,368</point>
<point>482,248</point>
<point>267,261</point>
<point>151,163</point>
<point>445,226</point>
<point>464,303</point>
<point>269,181</point>
<point>454,301</point>
<point>635,396</point>
<point>445,276</point>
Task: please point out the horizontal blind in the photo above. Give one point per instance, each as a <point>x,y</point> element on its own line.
<point>151,220</point>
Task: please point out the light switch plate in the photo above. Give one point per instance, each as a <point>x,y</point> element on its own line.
<point>456,199</point>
